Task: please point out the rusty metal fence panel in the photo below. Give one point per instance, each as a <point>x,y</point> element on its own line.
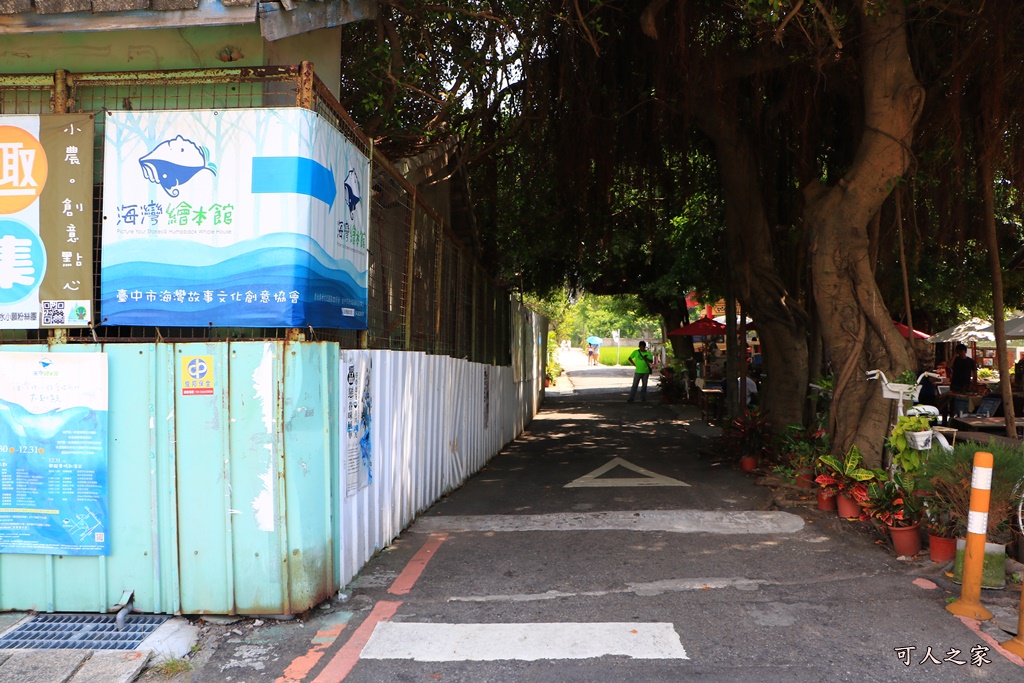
<point>426,291</point>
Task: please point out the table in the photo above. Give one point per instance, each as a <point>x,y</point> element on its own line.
<point>982,424</point>
<point>709,400</point>
<point>973,400</point>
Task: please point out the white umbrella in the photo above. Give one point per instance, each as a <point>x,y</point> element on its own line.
<point>969,331</point>
<point>1014,328</point>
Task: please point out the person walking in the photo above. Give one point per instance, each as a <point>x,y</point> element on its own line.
<point>643,361</point>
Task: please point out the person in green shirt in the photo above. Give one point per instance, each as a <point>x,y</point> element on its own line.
<point>643,361</point>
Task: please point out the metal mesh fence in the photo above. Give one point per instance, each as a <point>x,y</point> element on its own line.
<point>425,292</point>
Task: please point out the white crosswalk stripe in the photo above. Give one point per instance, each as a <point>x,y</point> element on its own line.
<point>525,642</point>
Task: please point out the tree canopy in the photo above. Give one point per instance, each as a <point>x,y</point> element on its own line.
<point>811,158</point>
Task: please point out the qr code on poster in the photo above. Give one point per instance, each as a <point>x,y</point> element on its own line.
<point>54,313</point>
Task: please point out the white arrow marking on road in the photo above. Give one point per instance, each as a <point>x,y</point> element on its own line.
<point>529,642</point>
<point>649,478</point>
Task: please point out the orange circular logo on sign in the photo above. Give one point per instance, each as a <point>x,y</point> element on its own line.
<point>23,169</point>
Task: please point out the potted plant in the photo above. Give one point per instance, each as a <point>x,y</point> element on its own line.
<point>801,447</point>
<point>672,384</point>
<point>551,373</point>
<point>909,438</point>
<point>847,479</point>
<point>942,529</point>
<point>948,478</point>
<point>750,435</point>
<point>895,504</point>
<point>904,387</point>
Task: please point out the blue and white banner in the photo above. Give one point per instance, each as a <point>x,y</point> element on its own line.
<point>237,217</point>
<point>53,453</point>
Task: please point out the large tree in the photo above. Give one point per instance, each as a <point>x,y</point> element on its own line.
<point>580,119</point>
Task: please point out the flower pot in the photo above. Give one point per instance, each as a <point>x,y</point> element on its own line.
<point>805,479</point>
<point>919,441</point>
<point>941,548</point>
<point>848,507</point>
<point>748,463</point>
<point>827,503</point>
<point>993,573</point>
<point>906,540</point>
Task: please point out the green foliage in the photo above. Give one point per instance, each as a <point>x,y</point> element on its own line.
<point>785,473</point>
<point>552,368</point>
<point>750,434</point>
<point>845,475</point>
<point>906,377</point>
<point>169,668</point>
<point>906,458</point>
<point>893,502</point>
<point>672,383</point>
<point>802,446</point>
<point>947,476</point>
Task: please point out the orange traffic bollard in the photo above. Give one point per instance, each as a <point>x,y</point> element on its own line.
<point>969,604</point>
<point>1016,644</point>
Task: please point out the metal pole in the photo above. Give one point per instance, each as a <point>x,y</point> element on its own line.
<point>409,275</point>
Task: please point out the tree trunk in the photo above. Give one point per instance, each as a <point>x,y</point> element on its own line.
<point>855,323</point>
<point>996,268</point>
<point>781,321</point>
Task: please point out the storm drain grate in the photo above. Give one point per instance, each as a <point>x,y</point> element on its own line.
<point>80,632</point>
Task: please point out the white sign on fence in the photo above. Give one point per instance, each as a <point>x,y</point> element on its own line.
<point>356,410</point>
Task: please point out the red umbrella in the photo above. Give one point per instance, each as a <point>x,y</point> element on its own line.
<point>905,331</point>
<point>705,327</point>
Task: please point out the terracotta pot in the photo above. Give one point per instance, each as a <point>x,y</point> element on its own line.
<point>940,548</point>
<point>848,507</point>
<point>906,540</point>
<point>748,463</point>
<point>805,479</point>
<point>827,503</point>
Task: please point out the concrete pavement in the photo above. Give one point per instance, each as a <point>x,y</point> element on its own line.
<point>617,542</point>
<point>670,565</point>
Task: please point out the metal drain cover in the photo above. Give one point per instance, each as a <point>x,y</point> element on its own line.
<point>80,632</point>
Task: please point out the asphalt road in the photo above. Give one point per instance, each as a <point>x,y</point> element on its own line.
<point>617,542</point>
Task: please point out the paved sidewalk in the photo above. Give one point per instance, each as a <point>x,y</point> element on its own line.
<point>616,542</point>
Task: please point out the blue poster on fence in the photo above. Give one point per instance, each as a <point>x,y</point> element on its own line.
<point>233,218</point>
<point>53,454</point>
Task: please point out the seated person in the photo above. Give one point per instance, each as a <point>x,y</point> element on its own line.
<point>929,395</point>
<point>751,388</point>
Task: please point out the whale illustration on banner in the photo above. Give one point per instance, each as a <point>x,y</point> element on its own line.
<point>174,162</point>
<point>352,192</point>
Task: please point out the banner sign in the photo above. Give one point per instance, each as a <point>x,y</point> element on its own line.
<point>53,453</point>
<point>356,412</point>
<point>240,217</point>
<point>46,221</point>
